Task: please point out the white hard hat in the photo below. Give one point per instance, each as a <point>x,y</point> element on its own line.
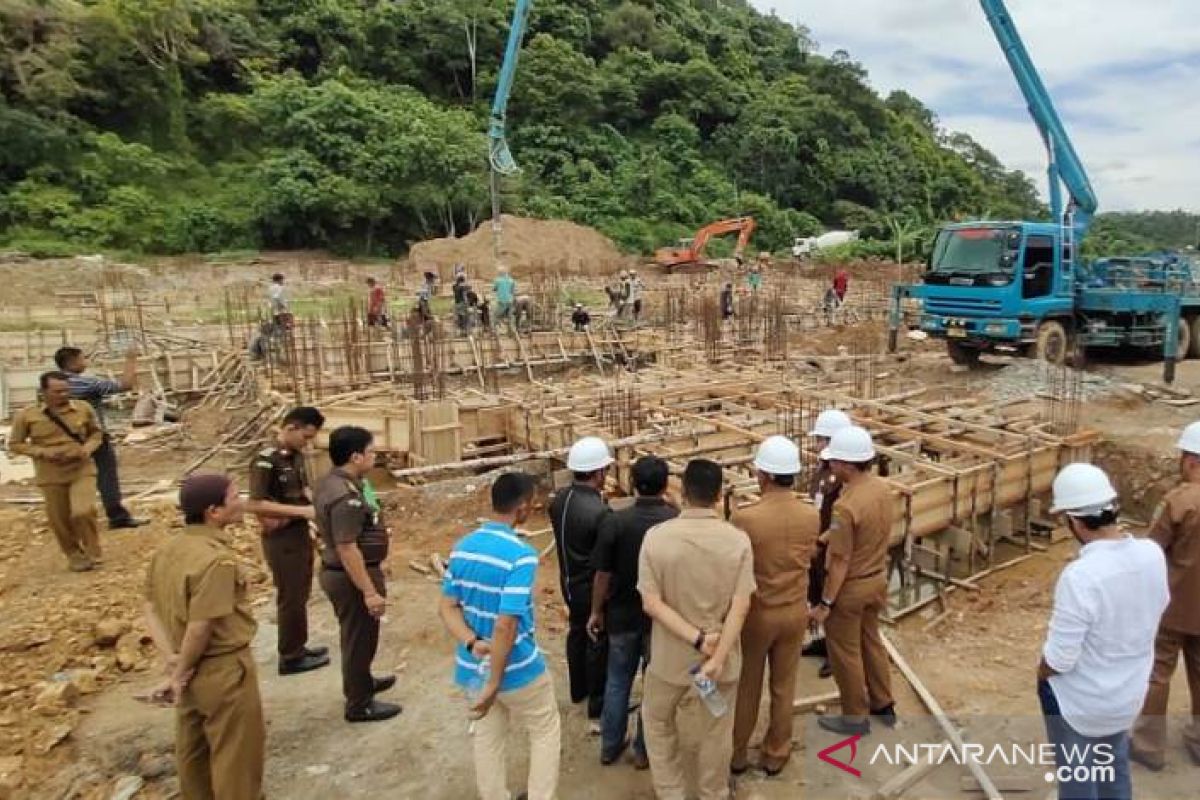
<point>830,422</point>
<point>1189,440</point>
<point>588,455</point>
<point>778,455</point>
<point>1081,490</point>
<point>851,443</point>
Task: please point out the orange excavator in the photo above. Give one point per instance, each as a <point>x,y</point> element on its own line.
<point>690,253</point>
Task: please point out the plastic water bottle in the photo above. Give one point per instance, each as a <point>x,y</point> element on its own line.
<point>707,689</point>
<point>475,683</point>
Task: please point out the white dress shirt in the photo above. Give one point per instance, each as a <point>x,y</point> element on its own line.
<point>1107,605</point>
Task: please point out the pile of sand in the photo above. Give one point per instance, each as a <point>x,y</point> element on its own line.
<point>528,247</point>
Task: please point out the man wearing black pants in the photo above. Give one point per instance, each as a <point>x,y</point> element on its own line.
<point>93,390</point>
<point>576,514</point>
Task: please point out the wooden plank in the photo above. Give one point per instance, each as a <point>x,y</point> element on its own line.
<point>935,708</point>
<point>897,785</point>
<point>805,704</point>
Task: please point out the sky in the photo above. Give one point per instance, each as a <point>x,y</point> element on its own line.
<point>1124,74</point>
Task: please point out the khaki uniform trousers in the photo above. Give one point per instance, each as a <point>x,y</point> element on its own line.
<point>772,634</point>
<point>1150,733</point>
<point>71,511</point>
<point>856,652</point>
<point>534,708</point>
<point>220,737</point>
<point>661,703</point>
<point>289,554</point>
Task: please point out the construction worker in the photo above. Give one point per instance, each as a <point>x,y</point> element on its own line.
<point>505,288</point>
<point>280,498</point>
<point>487,605</point>
<point>93,390</point>
<point>61,435</point>
<point>462,309</point>
<point>198,614</point>
<point>841,284</point>
<point>696,576</point>
<point>580,318</point>
<point>1176,527</point>
<point>783,531</point>
<point>727,301</point>
<point>277,302</point>
<point>355,547</point>
<point>376,305</point>
<point>636,287</point>
<point>576,514</point>
<point>856,586</point>
<point>754,276</point>
<point>824,489</point>
<point>623,294</point>
<point>617,606</point>
<point>1099,648</point>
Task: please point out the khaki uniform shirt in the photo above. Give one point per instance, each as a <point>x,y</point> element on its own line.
<point>783,530</point>
<point>195,577</point>
<point>35,435</point>
<point>344,516</point>
<point>281,476</point>
<point>697,564</point>
<point>862,527</point>
<point>1176,527</point>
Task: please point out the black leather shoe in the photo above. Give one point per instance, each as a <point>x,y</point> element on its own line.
<point>316,652</point>
<point>886,715</point>
<point>608,759</point>
<point>303,664</point>
<point>128,522</point>
<point>375,711</point>
<point>815,648</point>
<point>826,670</point>
<point>844,726</point>
<point>383,684</point>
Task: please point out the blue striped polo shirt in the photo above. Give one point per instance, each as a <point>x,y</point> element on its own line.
<point>492,572</point>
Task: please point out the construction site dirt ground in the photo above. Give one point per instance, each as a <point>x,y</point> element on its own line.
<point>978,660</point>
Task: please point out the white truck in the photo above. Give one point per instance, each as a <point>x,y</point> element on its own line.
<point>810,245</point>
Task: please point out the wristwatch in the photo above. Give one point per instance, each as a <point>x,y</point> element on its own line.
<point>827,603</point>
<point>471,644</point>
<point>699,643</point>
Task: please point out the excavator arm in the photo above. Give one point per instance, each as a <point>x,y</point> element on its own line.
<point>743,225</point>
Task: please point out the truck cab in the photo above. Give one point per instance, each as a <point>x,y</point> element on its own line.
<point>995,285</point>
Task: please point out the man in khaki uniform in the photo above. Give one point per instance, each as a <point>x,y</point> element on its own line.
<point>60,435</point>
<point>695,575</point>
<point>782,529</point>
<point>199,616</point>
<point>1176,527</point>
<point>856,586</point>
<point>355,545</point>
<point>279,496</point>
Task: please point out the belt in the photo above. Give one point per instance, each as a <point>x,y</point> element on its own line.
<point>868,575</point>
<point>340,568</point>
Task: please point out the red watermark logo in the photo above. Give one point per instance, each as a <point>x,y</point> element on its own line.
<point>852,743</point>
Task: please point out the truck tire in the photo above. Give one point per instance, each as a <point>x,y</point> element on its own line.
<point>962,355</point>
<point>1183,348</point>
<point>1193,324</point>
<point>1053,343</point>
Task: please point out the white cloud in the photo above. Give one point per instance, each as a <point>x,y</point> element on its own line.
<point>1122,74</point>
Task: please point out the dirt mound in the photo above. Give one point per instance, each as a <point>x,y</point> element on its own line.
<point>528,247</point>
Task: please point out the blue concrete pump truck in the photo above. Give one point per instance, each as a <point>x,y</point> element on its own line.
<point>1022,286</point>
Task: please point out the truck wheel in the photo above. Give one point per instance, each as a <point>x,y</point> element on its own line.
<point>962,355</point>
<point>1193,325</point>
<point>1183,346</point>
<point>1053,344</point>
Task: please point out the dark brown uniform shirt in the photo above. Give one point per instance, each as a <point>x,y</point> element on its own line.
<point>281,476</point>
<point>1176,527</point>
<point>36,435</point>
<point>862,527</point>
<point>195,577</point>
<point>783,530</point>
<point>344,516</point>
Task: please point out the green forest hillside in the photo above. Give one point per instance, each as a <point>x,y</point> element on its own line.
<point>202,125</point>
